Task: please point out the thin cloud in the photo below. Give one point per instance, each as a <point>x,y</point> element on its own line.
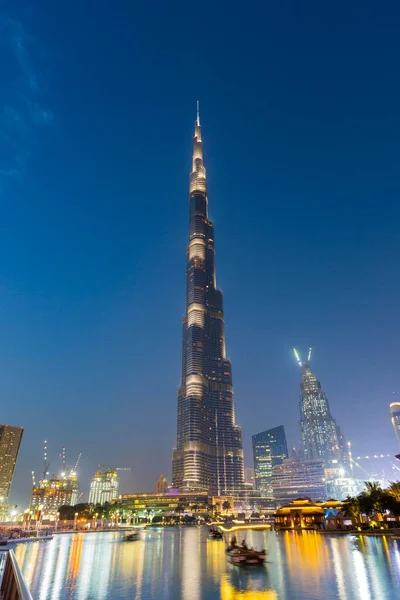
<point>22,109</point>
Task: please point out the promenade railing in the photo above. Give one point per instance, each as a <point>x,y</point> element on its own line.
<point>13,585</point>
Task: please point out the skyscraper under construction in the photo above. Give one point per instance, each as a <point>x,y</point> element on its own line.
<point>320,435</point>
<point>208,454</point>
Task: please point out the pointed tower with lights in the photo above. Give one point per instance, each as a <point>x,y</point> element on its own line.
<point>208,454</point>
<point>320,435</point>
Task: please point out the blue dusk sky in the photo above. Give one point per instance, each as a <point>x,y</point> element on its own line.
<point>300,107</point>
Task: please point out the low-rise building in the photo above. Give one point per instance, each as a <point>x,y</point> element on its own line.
<point>303,513</point>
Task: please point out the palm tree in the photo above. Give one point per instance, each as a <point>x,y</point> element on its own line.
<point>394,490</point>
<point>351,508</point>
<point>226,506</point>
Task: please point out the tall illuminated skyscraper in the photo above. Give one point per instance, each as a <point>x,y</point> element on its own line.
<point>208,454</point>
<point>395,418</point>
<point>321,437</point>
<point>10,440</point>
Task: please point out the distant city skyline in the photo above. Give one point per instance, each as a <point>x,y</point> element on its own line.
<point>302,159</point>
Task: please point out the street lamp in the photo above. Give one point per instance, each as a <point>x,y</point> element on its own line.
<point>75,520</point>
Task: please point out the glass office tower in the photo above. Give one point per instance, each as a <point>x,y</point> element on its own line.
<point>269,449</point>
<point>208,454</point>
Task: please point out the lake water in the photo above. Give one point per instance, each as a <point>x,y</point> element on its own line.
<point>183,564</point>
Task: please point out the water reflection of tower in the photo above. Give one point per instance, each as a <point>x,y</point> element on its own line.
<point>191,565</point>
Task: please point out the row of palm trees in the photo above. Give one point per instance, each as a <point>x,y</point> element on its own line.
<point>373,502</point>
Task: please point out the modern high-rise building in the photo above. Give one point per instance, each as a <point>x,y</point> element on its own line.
<point>103,487</point>
<point>208,454</point>
<point>298,479</point>
<point>395,418</point>
<point>269,449</point>
<point>320,436</point>
<point>10,441</point>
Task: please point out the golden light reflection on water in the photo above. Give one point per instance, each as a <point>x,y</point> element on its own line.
<point>216,558</point>
<point>230,592</point>
<point>307,557</point>
<point>75,555</point>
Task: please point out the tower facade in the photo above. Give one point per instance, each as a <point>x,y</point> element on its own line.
<point>320,436</point>
<point>208,454</point>
<point>10,441</point>
<point>395,418</point>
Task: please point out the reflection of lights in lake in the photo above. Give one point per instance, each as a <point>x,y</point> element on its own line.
<point>231,592</point>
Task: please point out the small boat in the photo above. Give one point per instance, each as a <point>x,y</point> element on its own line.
<point>215,534</point>
<point>241,557</point>
<point>131,537</point>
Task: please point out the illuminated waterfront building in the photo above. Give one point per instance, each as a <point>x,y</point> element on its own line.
<point>50,495</point>
<point>10,441</point>
<point>269,450</point>
<point>103,487</point>
<point>208,454</point>
<point>395,418</point>
<point>320,435</point>
<point>170,503</point>
<point>298,479</point>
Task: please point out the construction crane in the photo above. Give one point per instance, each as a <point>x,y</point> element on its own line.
<point>373,456</point>
<point>63,457</point>
<point>77,461</point>
<point>46,464</point>
<point>101,466</point>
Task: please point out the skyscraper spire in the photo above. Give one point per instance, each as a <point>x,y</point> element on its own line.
<point>198,174</point>
<point>208,454</point>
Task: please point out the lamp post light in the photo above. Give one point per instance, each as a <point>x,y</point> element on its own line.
<point>75,520</point>
<point>57,519</point>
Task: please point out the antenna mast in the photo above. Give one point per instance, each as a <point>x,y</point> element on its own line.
<point>309,355</point>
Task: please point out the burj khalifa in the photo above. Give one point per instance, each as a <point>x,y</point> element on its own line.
<point>208,454</point>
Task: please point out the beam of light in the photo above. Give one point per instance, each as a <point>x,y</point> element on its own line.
<point>297,357</point>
